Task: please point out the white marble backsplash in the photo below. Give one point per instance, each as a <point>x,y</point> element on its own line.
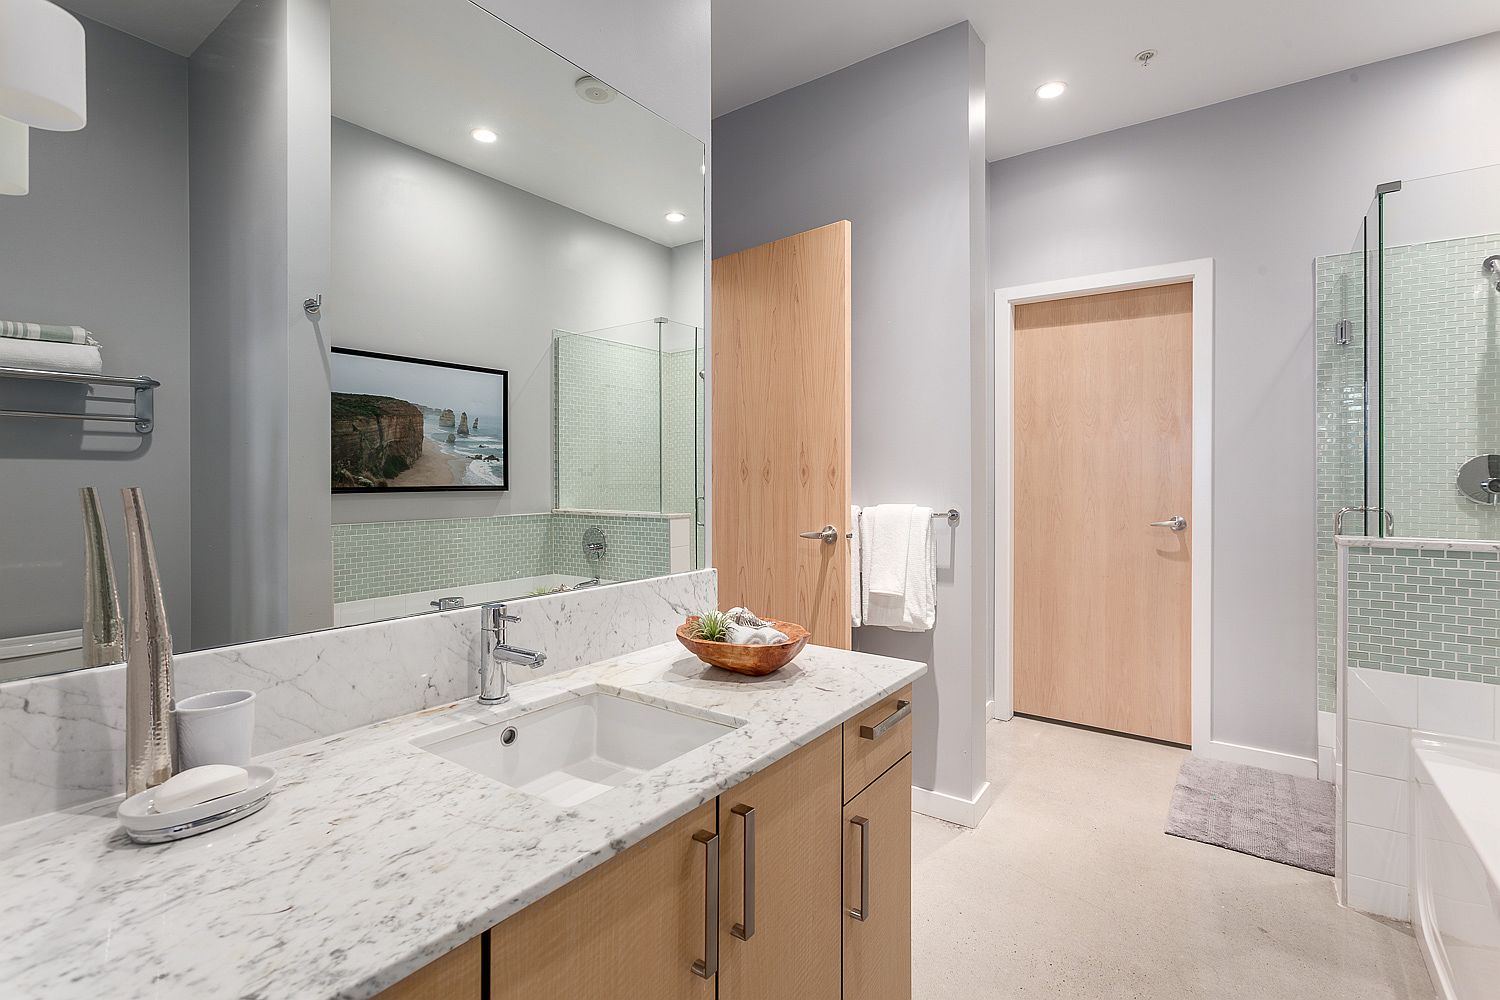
<point>62,737</point>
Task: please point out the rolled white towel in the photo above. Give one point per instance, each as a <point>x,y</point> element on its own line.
<point>47,356</point>
<point>743,635</point>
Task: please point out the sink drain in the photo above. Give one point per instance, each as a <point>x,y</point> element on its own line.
<point>508,736</point>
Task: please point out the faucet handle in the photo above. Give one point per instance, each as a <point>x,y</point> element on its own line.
<point>497,614</point>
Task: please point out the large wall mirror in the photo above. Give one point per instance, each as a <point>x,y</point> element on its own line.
<point>499,395</point>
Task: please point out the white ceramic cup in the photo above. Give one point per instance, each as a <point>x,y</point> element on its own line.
<point>215,728</point>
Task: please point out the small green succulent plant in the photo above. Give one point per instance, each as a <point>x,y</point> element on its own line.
<point>712,626</point>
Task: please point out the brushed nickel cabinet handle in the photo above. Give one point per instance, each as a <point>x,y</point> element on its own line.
<point>746,930</point>
<point>885,725</point>
<point>862,911</point>
<point>709,966</point>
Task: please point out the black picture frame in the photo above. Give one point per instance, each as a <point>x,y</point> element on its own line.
<point>503,375</point>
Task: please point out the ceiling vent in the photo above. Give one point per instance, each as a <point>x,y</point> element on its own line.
<point>595,91</point>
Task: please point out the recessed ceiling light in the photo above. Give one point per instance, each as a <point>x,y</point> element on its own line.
<point>1048,91</point>
<point>675,217</point>
<point>482,134</point>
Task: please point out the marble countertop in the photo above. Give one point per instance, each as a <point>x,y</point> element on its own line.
<point>374,857</point>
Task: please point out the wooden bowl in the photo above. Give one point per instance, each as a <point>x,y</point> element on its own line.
<point>756,661</point>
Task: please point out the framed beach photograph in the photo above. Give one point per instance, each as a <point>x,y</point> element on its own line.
<point>404,424</point>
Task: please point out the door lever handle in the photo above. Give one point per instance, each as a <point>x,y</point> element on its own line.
<point>1176,522</point>
<point>829,535</point>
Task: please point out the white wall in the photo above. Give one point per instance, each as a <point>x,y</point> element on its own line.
<point>1262,184</point>
<point>432,260</point>
<point>890,145</point>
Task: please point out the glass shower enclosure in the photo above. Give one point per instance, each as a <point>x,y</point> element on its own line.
<point>628,419</point>
<point>1407,335</point>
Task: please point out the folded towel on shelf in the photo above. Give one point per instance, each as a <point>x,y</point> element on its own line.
<point>744,635</point>
<point>913,607</point>
<point>46,331</point>
<point>47,356</point>
<point>856,592</point>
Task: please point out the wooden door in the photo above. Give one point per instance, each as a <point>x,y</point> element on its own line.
<point>780,357</point>
<point>877,949</point>
<point>630,928</point>
<point>1103,447</point>
<point>787,943</point>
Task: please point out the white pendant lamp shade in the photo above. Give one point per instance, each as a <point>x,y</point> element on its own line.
<point>42,82</point>
<point>15,174</point>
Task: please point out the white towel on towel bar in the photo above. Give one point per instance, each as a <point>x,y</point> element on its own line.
<point>913,607</point>
<point>856,591</point>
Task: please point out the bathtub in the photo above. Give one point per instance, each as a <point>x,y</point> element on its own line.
<point>1455,790</point>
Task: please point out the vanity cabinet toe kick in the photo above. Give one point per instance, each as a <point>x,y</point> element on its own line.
<point>794,883</point>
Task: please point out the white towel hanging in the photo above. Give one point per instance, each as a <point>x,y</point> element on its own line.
<point>910,602</point>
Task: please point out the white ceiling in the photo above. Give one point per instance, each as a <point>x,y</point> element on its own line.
<point>425,74</point>
<point>176,25</point>
<point>1209,51</point>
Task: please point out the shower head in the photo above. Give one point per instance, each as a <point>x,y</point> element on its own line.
<point>1492,268</point>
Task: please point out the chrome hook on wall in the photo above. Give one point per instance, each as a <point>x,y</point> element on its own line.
<point>314,305</point>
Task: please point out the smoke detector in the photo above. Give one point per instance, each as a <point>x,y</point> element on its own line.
<point>594,90</point>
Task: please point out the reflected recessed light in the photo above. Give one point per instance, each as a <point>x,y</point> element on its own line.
<point>675,217</point>
<point>484,135</point>
<point>1048,91</point>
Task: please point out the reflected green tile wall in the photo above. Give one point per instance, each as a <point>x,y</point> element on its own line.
<point>679,374</point>
<point>1425,612</point>
<point>379,559</point>
<point>606,398</point>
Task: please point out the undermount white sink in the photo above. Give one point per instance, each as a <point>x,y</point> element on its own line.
<point>571,752</point>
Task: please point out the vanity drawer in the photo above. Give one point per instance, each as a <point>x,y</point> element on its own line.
<point>874,740</point>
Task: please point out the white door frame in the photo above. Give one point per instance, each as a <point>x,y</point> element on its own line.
<point>1201,274</point>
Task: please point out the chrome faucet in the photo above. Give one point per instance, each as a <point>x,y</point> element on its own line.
<point>493,689</point>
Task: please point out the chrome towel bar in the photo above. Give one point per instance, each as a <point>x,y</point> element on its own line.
<point>143,414</point>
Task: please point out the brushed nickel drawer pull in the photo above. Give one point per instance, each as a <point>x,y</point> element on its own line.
<point>862,911</point>
<point>746,930</point>
<point>885,725</point>
<point>709,966</point>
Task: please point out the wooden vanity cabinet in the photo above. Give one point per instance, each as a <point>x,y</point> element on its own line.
<point>632,927</point>
<point>455,976</point>
<point>786,942</point>
<point>822,842</point>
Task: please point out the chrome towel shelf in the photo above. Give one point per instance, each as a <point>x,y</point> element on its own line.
<point>142,416</point>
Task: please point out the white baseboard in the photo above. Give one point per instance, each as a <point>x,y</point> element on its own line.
<point>1271,760</point>
<point>992,711</point>
<point>1327,724</point>
<point>951,808</point>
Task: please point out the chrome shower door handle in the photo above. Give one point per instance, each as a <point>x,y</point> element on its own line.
<point>829,535</point>
<point>1176,522</point>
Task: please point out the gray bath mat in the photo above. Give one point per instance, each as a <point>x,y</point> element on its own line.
<point>1254,811</point>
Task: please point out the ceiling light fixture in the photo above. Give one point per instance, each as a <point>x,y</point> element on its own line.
<point>486,135</point>
<point>1048,91</point>
<point>42,77</point>
<point>675,217</point>
<point>15,173</point>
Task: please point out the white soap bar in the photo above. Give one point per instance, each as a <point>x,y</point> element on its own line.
<point>198,784</point>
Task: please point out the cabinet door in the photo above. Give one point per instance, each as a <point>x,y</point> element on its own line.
<point>633,927</point>
<point>779,899</point>
<point>455,976</point>
<point>877,888</point>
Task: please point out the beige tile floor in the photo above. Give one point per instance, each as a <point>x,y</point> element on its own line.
<point>1069,888</point>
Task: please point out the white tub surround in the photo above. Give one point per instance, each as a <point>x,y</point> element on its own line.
<point>1418,651</point>
<point>374,857</point>
<point>1455,787</point>
<point>62,737</point>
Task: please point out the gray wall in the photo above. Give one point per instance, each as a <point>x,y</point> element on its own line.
<point>1262,184</point>
<point>102,242</point>
<point>889,144</point>
<point>464,268</point>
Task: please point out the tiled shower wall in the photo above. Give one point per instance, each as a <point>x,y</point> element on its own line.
<point>1440,361</point>
<point>1440,352</point>
<point>379,559</point>
<point>1339,283</point>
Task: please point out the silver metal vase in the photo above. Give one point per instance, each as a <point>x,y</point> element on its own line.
<point>103,626</point>
<point>150,753</point>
